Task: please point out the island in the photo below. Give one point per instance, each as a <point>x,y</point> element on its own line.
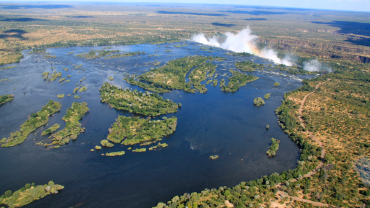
<point>6,98</point>
<point>135,130</point>
<point>173,74</point>
<point>248,66</point>
<point>112,154</point>
<point>73,126</point>
<point>236,81</point>
<point>149,104</point>
<point>125,55</point>
<point>96,54</point>
<point>50,130</point>
<point>273,148</point>
<point>28,194</point>
<point>35,121</point>
<point>258,101</point>
<point>53,76</point>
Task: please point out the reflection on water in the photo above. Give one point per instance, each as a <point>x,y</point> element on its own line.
<point>226,124</point>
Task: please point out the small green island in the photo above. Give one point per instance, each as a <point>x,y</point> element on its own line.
<point>267,96</point>
<point>131,80</point>
<point>112,154</point>
<point>60,96</point>
<point>125,55</point>
<point>52,76</point>
<point>6,98</point>
<point>213,157</point>
<point>149,104</point>
<point>248,66</point>
<point>134,130</point>
<point>139,150</point>
<point>96,54</point>
<point>50,130</point>
<point>258,101</point>
<point>35,121</point>
<point>73,126</point>
<point>273,148</point>
<point>28,194</point>
<point>236,81</point>
<point>276,84</point>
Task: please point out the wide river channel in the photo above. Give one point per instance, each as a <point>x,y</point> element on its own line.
<point>214,123</point>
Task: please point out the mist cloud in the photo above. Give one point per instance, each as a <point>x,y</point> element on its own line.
<point>243,41</point>
<point>315,66</point>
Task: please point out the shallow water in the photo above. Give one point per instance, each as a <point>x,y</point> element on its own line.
<point>226,124</point>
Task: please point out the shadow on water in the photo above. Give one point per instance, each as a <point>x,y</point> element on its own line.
<point>21,6</point>
<point>223,24</point>
<point>14,33</point>
<point>254,12</point>
<point>191,13</point>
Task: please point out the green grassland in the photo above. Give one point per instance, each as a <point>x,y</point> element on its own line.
<point>134,130</point>
<point>149,104</point>
<point>28,194</point>
<point>35,121</point>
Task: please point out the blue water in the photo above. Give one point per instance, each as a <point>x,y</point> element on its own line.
<point>225,124</point>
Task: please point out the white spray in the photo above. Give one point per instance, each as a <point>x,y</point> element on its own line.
<point>243,41</point>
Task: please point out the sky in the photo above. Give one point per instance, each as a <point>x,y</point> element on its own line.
<point>344,5</point>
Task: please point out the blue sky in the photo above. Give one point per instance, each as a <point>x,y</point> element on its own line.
<point>346,5</point>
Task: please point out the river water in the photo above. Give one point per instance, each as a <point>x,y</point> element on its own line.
<point>215,123</point>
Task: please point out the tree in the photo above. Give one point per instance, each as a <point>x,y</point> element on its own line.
<point>8,193</point>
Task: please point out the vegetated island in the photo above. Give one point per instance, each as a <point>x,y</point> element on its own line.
<point>35,121</point>
<point>172,75</point>
<point>276,84</point>
<point>113,154</point>
<point>6,98</point>
<point>73,126</point>
<point>151,87</point>
<point>258,101</point>
<point>125,55</point>
<point>273,148</point>
<point>267,96</point>
<point>149,104</point>
<point>28,194</point>
<point>93,54</point>
<point>8,67</point>
<point>50,130</point>
<point>200,74</point>
<point>213,157</point>
<point>248,66</point>
<point>134,130</point>
<point>53,76</point>
<point>240,54</point>
<point>237,80</point>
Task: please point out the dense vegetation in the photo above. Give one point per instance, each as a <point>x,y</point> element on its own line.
<point>149,104</point>
<point>273,148</point>
<point>28,194</point>
<point>150,87</point>
<point>35,121</point>
<point>248,66</point>
<point>73,126</point>
<point>200,74</point>
<point>172,75</point>
<point>237,80</point>
<point>6,98</point>
<point>134,130</point>
<point>113,154</point>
